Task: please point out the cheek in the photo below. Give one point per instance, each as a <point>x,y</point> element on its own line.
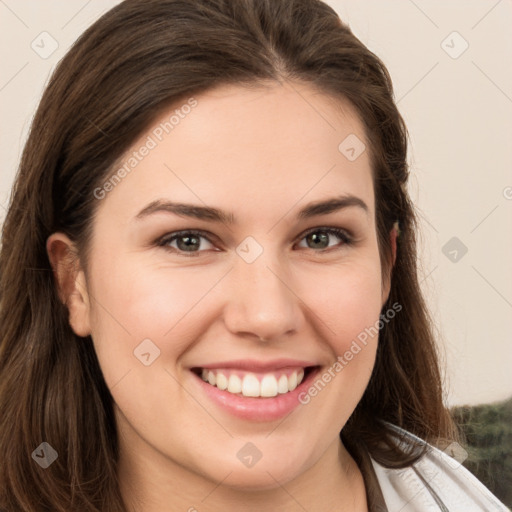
<point>147,299</point>
<point>144,298</point>
<point>346,301</point>
<point>134,301</point>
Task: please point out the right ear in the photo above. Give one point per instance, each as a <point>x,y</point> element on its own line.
<point>70,281</point>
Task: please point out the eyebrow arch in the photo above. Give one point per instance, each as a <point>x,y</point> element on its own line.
<point>208,213</point>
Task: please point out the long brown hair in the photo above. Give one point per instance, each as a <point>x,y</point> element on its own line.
<point>137,59</point>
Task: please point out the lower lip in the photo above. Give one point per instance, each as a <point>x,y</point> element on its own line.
<point>257,409</point>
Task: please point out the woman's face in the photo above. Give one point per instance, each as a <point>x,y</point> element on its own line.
<point>253,301</point>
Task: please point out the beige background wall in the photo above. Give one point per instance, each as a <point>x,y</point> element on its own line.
<point>455,92</point>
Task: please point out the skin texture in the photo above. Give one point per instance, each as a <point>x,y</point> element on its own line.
<point>263,154</point>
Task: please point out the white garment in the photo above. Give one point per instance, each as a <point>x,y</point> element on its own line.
<point>437,482</point>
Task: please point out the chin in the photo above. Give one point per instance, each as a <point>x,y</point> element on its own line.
<point>263,479</point>
<point>264,475</point>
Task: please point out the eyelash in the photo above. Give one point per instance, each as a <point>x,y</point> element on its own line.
<point>164,241</point>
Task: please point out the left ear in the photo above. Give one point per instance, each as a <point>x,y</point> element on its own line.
<point>393,235</point>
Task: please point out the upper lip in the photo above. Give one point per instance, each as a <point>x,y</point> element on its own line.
<point>255,365</point>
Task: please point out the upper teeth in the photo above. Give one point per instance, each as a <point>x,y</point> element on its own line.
<point>249,384</point>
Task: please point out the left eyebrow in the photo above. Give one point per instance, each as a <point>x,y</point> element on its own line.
<point>209,213</point>
<point>332,205</point>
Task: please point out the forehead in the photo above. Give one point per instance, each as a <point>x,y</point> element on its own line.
<point>254,148</point>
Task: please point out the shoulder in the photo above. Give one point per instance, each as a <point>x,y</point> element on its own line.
<point>437,482</point>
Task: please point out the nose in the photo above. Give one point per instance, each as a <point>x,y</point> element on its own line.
<point>262,302</point>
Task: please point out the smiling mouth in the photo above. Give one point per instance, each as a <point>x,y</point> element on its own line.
<point>253,384</point>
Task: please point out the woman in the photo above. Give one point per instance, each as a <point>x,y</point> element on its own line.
<point>209,293</point>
